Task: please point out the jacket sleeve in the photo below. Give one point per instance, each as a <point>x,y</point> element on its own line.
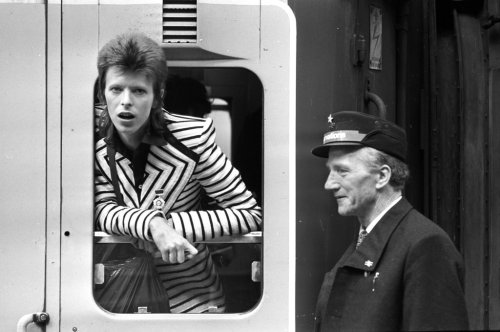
<point>238,212</point>
<point>433,287</point>
<point>111,217</point>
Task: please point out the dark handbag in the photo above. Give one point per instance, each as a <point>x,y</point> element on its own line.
<point>131,283</point>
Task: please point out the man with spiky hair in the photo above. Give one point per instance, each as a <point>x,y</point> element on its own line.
<point>151,169</point>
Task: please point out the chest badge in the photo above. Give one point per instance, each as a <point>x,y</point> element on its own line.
<point>368,263</point>
<point>159,202</point>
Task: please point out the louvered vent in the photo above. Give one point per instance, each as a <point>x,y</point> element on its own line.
<point>179,21</point>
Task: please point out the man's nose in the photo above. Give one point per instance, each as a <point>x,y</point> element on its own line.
<point>331,182</point>
<point>126,97</point>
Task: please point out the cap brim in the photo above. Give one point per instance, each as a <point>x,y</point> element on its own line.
<point>323,150</point>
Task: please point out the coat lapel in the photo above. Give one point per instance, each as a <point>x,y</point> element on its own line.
<point>126,180</point>
<point>366,257</point>
<point>169,167</point>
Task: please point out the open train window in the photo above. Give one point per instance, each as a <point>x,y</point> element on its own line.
<point>233,99</point>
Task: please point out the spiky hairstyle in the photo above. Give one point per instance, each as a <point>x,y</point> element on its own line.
<point>135,53</point>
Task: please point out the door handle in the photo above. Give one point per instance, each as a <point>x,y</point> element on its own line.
<point>39,318</point>
<point>374,98</point>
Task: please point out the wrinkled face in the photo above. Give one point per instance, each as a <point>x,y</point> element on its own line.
<point>352,182</point>
<point>129,97</point>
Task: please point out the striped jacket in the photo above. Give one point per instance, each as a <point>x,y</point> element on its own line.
<point>190,162</point>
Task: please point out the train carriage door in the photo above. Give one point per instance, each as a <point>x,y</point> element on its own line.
<point>234,48</point>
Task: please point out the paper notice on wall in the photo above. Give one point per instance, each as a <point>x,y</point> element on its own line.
<point>375,38</point>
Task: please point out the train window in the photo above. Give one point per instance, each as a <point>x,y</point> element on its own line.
<point>226,275</point>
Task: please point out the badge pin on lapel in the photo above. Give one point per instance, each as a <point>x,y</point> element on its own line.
<point>375,277</point>
<point>159,202</point>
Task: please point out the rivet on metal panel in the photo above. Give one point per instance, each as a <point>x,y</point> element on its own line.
<point>256,271</point>
<point>99,274</point>
<point>142,310</point>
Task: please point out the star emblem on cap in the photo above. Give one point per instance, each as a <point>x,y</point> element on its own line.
<point>368,263</point>
<point>330,119</point>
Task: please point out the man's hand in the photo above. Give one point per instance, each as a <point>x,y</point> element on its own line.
<point>172,246</point>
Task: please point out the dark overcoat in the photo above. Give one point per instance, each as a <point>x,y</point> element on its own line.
<point>406,275</point>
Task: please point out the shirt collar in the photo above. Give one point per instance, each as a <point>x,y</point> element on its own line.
<point>380,215</point>
<point>367,256</point>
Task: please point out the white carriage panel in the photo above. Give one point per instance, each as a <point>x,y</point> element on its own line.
<point>78,308</point>
<point>23,164</point>
<point>236,35</point>
<point>118,16</point>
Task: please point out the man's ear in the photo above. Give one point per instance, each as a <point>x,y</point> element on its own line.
<point>384,175</point>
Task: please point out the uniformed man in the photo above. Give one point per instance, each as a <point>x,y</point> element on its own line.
<point>403,272</point>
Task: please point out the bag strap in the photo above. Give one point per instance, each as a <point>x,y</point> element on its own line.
<point>114,175</point>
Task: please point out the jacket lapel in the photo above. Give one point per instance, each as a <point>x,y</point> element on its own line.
<point>169,167</point>
<point>366,257</point>
<point>126,180</point>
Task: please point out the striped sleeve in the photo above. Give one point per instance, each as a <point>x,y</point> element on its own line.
<point>238,213</point>
<point>111,217</point>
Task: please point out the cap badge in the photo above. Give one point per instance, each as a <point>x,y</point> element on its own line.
<point>330,121</point>
<point>342,135</point>
<point>368,263</point>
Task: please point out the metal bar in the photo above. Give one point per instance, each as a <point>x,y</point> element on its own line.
<point>253,237</point>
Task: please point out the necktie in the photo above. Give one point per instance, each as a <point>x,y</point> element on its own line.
<point>361,237</point>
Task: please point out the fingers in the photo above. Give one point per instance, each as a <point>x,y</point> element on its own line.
<point>173,246</point>
<point>172,256</point>
<point>191,250</point>
<point>179,254</point>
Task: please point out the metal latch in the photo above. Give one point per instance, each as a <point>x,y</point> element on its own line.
<point>39,318</point>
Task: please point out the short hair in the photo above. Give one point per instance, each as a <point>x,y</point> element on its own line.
<point>136,53</point>
<point>400,173</point>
